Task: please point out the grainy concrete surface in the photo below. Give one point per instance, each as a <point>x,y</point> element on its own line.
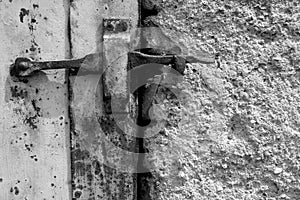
<point>236,130</point>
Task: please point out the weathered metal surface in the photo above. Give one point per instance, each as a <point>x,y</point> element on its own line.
<point>115,26</point>
<point>34,118</point>
<point>92,179</point>
<point>116,125</point>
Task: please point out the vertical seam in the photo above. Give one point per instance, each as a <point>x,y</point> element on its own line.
<point>69,128</point>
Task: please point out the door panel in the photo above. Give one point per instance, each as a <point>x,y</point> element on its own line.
<point>34,121</point>
<point>92,123</point>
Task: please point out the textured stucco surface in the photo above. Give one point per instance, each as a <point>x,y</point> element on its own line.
<point>235,133</point>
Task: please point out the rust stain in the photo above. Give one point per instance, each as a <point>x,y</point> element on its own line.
<point>23,13</point>
<point>18,93</point>
<point>31,113</point>
<point>116,25</point>
<point>35,6</point>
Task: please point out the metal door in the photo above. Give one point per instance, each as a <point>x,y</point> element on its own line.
<point>50,148</point>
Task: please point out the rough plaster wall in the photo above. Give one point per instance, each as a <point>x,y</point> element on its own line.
<point>235,133</point>
<point>34,118</point>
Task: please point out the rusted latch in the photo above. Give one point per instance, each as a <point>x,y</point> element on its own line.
<point>91,63</point>
<point>26,67</point>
